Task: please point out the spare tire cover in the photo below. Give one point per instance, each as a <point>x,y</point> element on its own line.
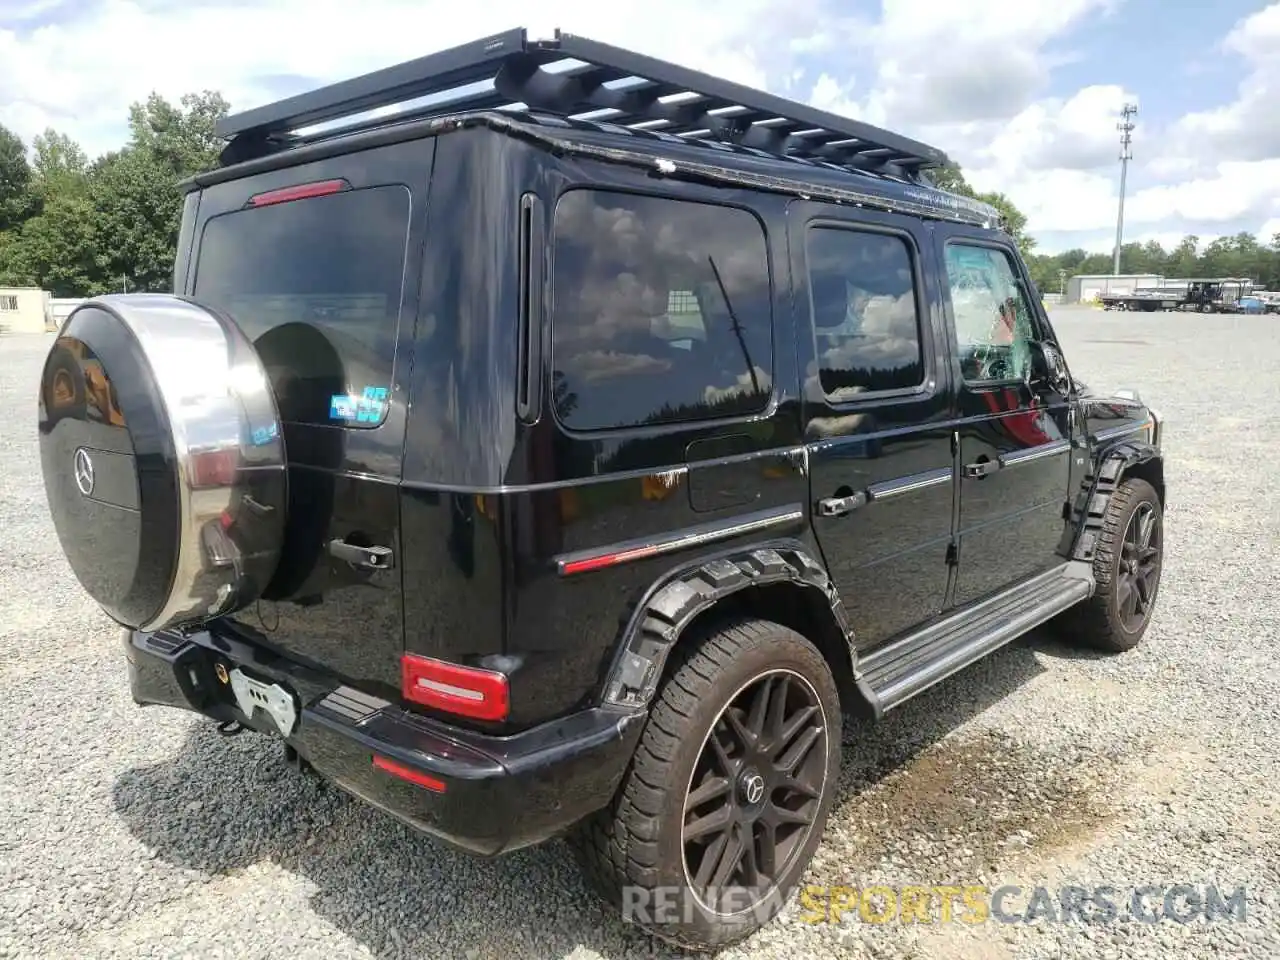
<point>163,459</point>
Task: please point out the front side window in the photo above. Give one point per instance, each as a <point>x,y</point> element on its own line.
<point>316,285</point>
<point>994,329</point>
<point>866,320</point>
<point>661,311</point>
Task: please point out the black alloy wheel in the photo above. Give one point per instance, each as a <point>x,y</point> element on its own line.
<point>755,791</point>
<point>1138,574</point>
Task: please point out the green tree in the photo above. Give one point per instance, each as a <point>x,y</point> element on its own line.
<point>15,180</point>
<point>1184,261</point>
<point>60,166</point>
<point>135,191</point>
<point>57,249</point>
<point>1015,221</point>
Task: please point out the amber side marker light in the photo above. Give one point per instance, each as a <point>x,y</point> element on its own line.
<point>299,191</point>
<point>408,774</point>
<point>464,691</point>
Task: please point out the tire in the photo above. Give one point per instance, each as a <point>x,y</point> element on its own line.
<point>1103,621</point>
<point>635,852</point>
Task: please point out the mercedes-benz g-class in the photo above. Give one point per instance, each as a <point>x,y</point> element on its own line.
<point>569,451</point>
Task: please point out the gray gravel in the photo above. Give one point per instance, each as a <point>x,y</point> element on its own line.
<point>139,832</point>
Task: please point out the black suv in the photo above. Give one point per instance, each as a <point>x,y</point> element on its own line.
<point>569,451</point>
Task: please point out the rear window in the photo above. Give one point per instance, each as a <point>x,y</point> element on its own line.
<point>316,285</point>
<point>661,311</point>
<point>865,317</point>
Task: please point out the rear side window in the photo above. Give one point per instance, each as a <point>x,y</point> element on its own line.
<point>866,319</point>
<point>661,311</point>
<point>316,285</point>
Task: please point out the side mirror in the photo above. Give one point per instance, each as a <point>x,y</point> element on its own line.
<point>1047,366</point>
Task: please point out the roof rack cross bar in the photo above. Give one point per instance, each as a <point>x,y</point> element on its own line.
<point>571,76</point>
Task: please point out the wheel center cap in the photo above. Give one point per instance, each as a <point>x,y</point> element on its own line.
<point>751,787</point>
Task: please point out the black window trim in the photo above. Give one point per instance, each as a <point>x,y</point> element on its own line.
<point>1015,264</point>
<point>928,355</point>
<point>767,412</point>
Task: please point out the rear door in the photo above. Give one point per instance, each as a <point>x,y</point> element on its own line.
<point>1013,435</point>
<point>877,404</point>
<point>316,264</point>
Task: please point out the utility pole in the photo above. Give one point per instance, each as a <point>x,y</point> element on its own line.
<point>1125,126</point>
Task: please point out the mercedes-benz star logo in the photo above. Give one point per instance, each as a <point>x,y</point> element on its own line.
<point>83,466</point>
<point>753,788</point>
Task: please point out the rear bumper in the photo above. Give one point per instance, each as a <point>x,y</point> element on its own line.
<point>500,793</point>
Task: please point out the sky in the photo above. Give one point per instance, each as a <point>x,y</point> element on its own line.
<point>1024,94</point>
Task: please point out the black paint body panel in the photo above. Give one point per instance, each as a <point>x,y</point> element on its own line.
<point>528,547</point>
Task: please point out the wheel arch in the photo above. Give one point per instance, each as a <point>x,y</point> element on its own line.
<point>1116,463</point>
<point>779,581</point>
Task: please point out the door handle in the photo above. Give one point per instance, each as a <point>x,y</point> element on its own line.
<point>839,506</point>
<point>980,469</point>
<point>367,558</point>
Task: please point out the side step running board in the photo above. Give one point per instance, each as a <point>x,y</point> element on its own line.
<point>898,671</point>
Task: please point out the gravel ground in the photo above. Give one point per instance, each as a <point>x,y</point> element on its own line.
<point>140,832</point>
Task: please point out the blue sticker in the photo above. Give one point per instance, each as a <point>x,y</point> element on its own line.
<point>264,435</point>
<point>368,407</point>
<point>342,407</point>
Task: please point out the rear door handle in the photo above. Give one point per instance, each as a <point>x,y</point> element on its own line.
<point>981,469</point>
<point>367,558</point>
<point>839,506</point>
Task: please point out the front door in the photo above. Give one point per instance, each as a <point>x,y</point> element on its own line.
<point>1013,431</point>
<point>877,406</point>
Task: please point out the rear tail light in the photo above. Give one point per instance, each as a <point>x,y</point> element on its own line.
<point>465,691</point>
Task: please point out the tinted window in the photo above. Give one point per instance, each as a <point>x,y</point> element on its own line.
<point>993,321</point>
<point>865,317</point>
<point>661,311</point>
<point>316,285</point>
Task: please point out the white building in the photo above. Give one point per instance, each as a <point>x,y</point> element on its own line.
<point>1084,288</point>
<point>60,308</point>
<point>24,310</point>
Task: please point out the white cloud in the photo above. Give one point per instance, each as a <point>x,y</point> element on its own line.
<point>1249,127</point>
<point>970,76</point>
<point>80,75</point>
<point>967,60</point>
<point>1237,190</point>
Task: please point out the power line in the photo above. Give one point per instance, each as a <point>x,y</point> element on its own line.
<point>1125,126</point>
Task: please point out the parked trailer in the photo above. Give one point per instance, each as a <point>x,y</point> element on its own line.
<point>1147,301</point>
<point>1203,296</point>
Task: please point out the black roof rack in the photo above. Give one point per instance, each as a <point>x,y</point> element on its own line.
<point>606,84</point>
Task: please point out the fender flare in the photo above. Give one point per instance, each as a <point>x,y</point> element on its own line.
<point>1112,464</point>
<point>672,603</point>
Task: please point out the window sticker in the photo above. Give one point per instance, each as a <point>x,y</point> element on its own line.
<point>366,407</point>
<point>264,435</point>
